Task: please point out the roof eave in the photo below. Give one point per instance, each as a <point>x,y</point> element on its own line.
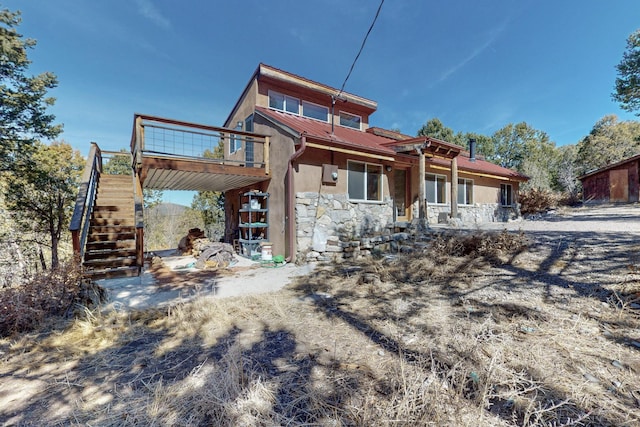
<point>285,76</point>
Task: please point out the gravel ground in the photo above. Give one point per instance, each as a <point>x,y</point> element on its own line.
<point>573,252</point>
<point>599,219</point>
<point>245,277</point>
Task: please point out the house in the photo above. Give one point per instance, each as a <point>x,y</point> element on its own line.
<point>303,173</point>
<point>336,182</point>
<point>618,182</point>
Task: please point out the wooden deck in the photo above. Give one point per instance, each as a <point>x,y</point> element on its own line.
<point>176,155</point>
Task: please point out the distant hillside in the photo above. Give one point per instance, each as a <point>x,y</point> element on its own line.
<point>168,209</point>
<point>167,223</point>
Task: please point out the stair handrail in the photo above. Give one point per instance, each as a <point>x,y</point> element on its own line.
<point>80,220</point>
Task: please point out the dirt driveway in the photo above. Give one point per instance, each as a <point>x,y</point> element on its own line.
<point>595,219</point>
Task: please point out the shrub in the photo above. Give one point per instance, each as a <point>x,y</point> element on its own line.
<point>49,294</point>
<point>535,201</point>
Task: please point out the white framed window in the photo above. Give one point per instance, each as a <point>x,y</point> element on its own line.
<point>436,188</point>
<point>465,191</point>
<point>506,195</point>
<point>286,103</point>
<point>235,142</point>
<point>350,120</point>
<point>248,145</point>
<point>315,111</point>
<point>364,181</point>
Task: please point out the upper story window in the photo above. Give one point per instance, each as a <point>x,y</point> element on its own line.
<point>235,141</point>
<point>465,191</point>
<point>315,111</point>
<point>281,102</point>
<point>364,181</point>
<point>248,123</point>
<point>350,120</point>
<point>436,186</point>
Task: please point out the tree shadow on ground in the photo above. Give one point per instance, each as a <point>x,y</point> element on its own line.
<point>576,265</point>
<point>150,375</point>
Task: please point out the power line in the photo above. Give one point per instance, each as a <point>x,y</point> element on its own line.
<point>361,47</point>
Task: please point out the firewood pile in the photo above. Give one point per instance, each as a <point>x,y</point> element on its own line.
<point>186,243</point>
<point>212,254</point>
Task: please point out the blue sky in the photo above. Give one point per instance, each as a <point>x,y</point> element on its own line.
<point>475,65</point>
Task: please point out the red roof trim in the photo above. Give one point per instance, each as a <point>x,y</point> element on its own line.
<point>611,166</point>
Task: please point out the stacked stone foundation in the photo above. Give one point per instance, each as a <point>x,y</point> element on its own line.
<point>330,227</point>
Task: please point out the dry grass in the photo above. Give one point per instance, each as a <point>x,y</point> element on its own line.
<point>44,296</point>
<point>470,331</point>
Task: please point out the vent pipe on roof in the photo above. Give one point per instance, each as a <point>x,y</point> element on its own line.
<point>472,149</point>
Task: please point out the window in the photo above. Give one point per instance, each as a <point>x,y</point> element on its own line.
<point>248,145</point>
<point>314,111</point>
<point>281,102</point>
<point>350,120</point>
<point>364,181</point>
<point>465,191</point>
<point>235,143</point>
<point>436,188</point>
<point>506,195</point>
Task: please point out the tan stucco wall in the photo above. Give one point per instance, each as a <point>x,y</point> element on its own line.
<point>281,148</point>
<point>309,172</point>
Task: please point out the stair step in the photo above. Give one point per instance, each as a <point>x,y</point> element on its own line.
<point>109,207</point>
<point>109,254</point>
<point>110,225</point>
<point>99,264</point>
<point>111,273</point>
<point>114,206</point>
<point>112,222</point>
<point>111,237</point>
<point>110,245</point>
<point>119,177</point>
<point>116,215</point>
<point>117,196</point>
<point>126,188</point>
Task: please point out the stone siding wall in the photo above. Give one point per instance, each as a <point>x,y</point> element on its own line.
<point>329,225</point>
<point>474,214</point>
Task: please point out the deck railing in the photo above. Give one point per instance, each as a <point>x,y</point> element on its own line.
<point>175,138</point>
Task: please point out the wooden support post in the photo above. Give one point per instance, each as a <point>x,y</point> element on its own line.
<point>422,201</point>
<point>454,187</point>
<point>138,198</point>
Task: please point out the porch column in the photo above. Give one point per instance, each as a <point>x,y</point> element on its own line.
<point>422,201</point>
<point>454,187</point>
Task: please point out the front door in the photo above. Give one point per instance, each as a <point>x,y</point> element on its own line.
<point>401,202</point>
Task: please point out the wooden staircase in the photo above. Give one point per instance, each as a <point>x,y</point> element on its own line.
<point>111,242</point>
